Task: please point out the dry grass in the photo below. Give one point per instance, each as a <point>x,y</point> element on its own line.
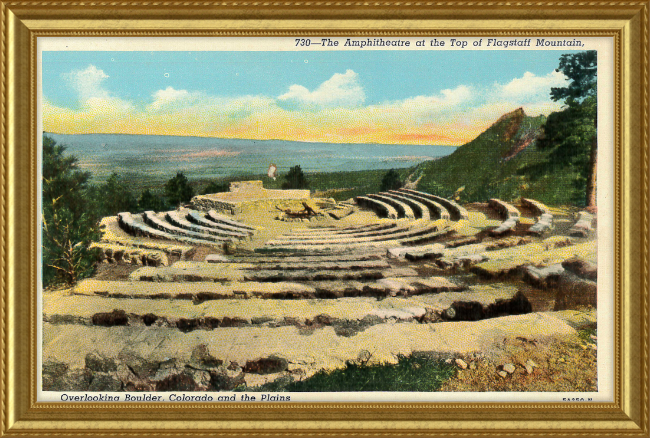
<point>563,365</point>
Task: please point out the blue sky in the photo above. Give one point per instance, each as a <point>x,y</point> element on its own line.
<point>234,94</point>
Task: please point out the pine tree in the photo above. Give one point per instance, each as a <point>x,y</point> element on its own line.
<point>391,181</point>
<point>70,223</point>
<point>178,190</point>
<point>295,179</point>
<point>572,132</point>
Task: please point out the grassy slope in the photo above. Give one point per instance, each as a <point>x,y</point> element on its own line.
<point>481,168</point>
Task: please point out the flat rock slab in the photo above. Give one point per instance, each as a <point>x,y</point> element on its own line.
<point>421,252</point>
<point>149,348</point>
<point>192,271</point>
<point>307,259</point>
<point>484,302</point>
<point>324,265</point>
<point>195,291</point>
<point>504,261</point>
<point>581,268</point>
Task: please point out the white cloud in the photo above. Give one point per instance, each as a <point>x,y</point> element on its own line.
<point>341,90</point>
<point>531,87</point>
<point>87,83</point>
<point>333,111</point>
<point>169,97</point>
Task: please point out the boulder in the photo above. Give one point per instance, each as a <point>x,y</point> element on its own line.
<point>105,382</point>
<point>98,363</point>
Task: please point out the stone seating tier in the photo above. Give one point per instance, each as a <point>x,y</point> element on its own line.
<point>221,219</point>
<point>136,227</point>
<point>345,230</point>
<point>381,208</point>
<point>420,210</point>
<point>154,221</point>
<point>544,224</point>
<point>399,233</point>
<point>403,209</point>
<point>456,211</point>
<point>507,211</point>
<point>337,236</point>
<point>196,218</point>
<point>432,205</point>
<point>177,220</point>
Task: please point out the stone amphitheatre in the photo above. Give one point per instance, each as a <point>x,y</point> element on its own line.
<point>243,288</point>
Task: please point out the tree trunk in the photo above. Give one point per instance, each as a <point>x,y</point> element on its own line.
<point>591,179</point>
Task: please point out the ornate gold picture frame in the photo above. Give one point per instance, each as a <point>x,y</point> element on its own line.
<point>24,22</point>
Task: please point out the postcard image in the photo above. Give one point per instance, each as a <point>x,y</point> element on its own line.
<point>326,219</point>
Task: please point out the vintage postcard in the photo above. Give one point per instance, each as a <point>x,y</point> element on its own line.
<point>326,219</point>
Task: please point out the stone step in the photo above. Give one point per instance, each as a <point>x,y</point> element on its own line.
<point>463,256</point>
<point>543,224</point>
<point>456,211</point>
<point>433,206</point>
<point>154,221</point>
<point>581,268</point>
<point>582,227</point>
<point>507,211</point>
<point>324,265</point>
<point>429,236</point>
<point>136,227</point>
<point>113,234</point>
<point>82,358</point>
<point>506,261</point>
<point>398,234</point>
<point>340,236</point>
<point>293,259</point>
<point>420,210</point>
<point>111,253</point>
<point>477,303</point>
<point>177,220</point>
<point>225,220</point>
<point>345,230</point>
<point>404,282</point>
<point>196,217</point>
<point>412,253</point>
<point>403,209</point>
<point>226,272</point>
<point>536,206</point>
<point>381,208</point>
<point>341,213</point>
<point>506,226</point>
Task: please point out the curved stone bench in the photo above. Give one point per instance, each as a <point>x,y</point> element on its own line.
<point>346,230</point>
<point>136,227</point>
<point>545,220</point>
<point>456,211</point>
<point>426,237</point>
<point>508,211</point>
<point>195,217</point>
<point>177,220</point>
<point>582,227</point>
<point>402,208</point>
<point>154,221</point>
<point>432,205</point>
<point>128,223</point>
<point>420,210</point>
<point>334,236</point>
<point>536,206</point>
<point>543,224</point>
<point>224,220</point>
<point>377,206</point>
<point>401,233</point>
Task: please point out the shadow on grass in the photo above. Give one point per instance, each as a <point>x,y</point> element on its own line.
<point>410,374</point>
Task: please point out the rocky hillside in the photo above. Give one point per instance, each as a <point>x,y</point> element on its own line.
<point>503,162</point>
